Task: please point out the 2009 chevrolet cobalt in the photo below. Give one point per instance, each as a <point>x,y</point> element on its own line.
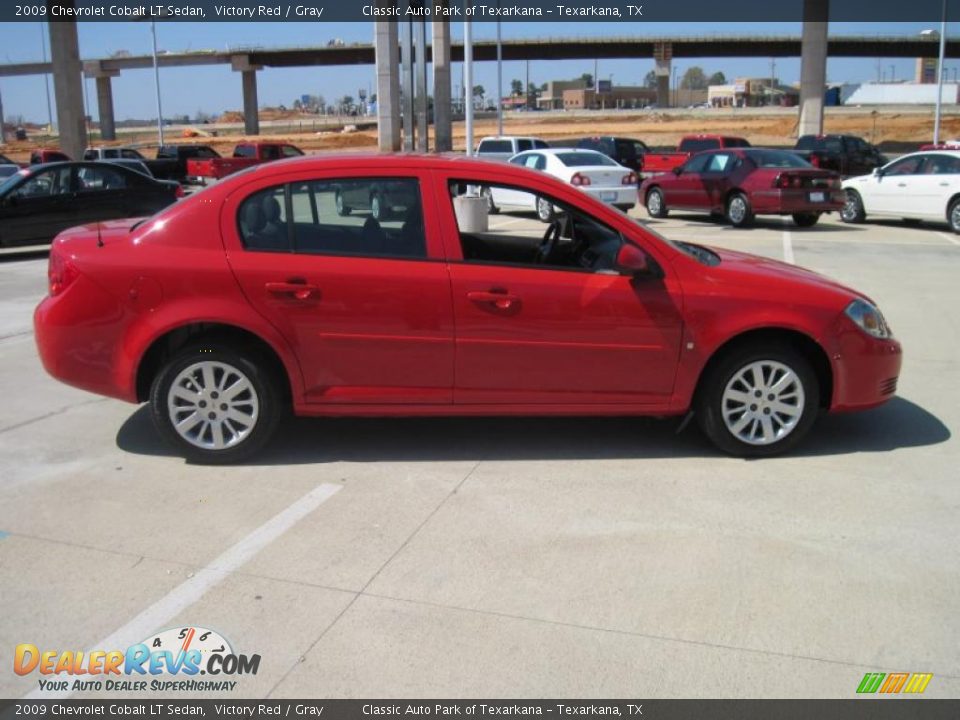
<point>260,295</point>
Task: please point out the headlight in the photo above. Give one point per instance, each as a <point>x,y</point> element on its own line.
<point>868,318</point>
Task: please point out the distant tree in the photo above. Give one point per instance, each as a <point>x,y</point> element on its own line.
<point>587,79</point>
<point>533,90</point>
<point>718,78</point>
<point>694,79</point>
<point>516,87</point>
<point>479,92</point>
<point>650,80</point>
<point>346,103</point>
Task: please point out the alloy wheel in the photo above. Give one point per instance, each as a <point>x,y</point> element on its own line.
<point>763,402</point>
<point>213,405</point>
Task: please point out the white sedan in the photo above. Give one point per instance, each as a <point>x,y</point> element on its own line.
<point>919,186</point>
<point>592,172</point>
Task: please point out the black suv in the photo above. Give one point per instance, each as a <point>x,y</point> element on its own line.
<point>626,151</point>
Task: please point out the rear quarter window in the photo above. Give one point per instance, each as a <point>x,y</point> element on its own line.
<point>495,146</point>
<point>694,145</point>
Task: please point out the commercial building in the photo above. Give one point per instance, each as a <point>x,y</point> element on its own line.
<point>753,92</point>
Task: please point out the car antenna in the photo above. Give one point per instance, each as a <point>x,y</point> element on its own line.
<point>99,235</point>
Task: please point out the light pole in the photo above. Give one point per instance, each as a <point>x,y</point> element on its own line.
<point>468,82</point>
<point>499,80</point>
<point>675,86</point>
<point>943,47</point>
<point>156,80</point>
<point>46,78</point>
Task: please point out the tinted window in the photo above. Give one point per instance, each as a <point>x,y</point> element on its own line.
<point>697,163</point>
<point>131,155</point>
<point>583,159</point>
<point>832,144</point>
<point>8,170</point>
<point>905,166</point>
<point>290,151</point>
<point>735,142</point>
<point>270,152</point>
<point>626,150</point>
<point>495,146</point>
<point>95,179</point>
<point>244,151</point>
<point>540,144</point>
<point>263,220</point>
<point>45,184</point>
<point>942,165</point>
<point>777,159</point>
<point>524,145</point>
<point>807,142</point>
<point>699,144</point>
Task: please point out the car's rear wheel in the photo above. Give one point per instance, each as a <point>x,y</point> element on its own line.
<point>214,404</point>
<point>852,210</point>
<point>806,219</point>
<point>656,207</point>
<point>487,194</point>
<point>739,212</point>
<point>377,207</point>
<point>545,210</point>
<point>758,401</point>
<point>953,215</point>
<point>342,208</point>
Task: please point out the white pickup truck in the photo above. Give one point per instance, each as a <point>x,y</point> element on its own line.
<point>504,147</point>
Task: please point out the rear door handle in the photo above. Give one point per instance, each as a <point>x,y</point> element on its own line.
<point>298,290</point>
<point>501,300</point>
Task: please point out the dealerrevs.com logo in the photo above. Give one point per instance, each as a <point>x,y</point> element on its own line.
<point>170,661</point>
<point>894,683</point>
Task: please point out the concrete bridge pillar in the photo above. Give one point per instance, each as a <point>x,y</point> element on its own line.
<point>248,72</point>
<point>68,84</point>
<point>813,66</point>
<point>94,69</point>
<point>663,57</point>
<point>387,49</point>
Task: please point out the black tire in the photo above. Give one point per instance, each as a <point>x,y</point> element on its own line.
<point>910,222</point>
<point>624,208</point>
<point>342,208</point>
<point>545,210</point>
<point>264,389</point>
<point>953,216</point>
<point>709,403</point>
<point>806,220</point>
<point>739,213</point>
<point>852,212</point>
<point>659,206</point>
<point>487,194</point>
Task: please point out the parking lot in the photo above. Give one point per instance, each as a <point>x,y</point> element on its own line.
<point>505,557</point>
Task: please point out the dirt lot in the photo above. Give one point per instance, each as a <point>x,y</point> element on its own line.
<point>901,128</point>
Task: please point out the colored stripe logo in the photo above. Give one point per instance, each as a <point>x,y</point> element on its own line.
<point>894,683</point>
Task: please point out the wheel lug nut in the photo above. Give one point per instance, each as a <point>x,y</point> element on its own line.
<point>758,393</point>
<point>770,398</point>
<point>203,403</point>
<point>212,416</point>
<point>214,394</point>
<point>223,407</point>
<point>766,411</point>
<point>753,408</point>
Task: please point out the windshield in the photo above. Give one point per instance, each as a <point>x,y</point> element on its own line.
<point>584,159</point>
<point>776,159</point>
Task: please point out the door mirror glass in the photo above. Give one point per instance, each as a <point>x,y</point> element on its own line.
<point>632,260</point>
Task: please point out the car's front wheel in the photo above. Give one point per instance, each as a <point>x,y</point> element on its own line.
<point>739,212</point>
<point>758,401</point>
<point>953,215</point>
<point>545,210</point>
<point>215,405</point>
<point>852,211</point>
<point>656,207</point>
<point>342,208</point>
<point>487,194</point>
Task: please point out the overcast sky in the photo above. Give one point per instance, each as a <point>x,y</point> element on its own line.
<point>215,88</point>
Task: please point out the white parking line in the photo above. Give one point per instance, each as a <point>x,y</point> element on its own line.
<point>788,247</point>
<point>507,223</point>
<point>949,238</point>
<point>189,592</point>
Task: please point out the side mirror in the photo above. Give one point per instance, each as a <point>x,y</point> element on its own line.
<point>632,260</point>
<point>678,170</point>
<point>878,172</point>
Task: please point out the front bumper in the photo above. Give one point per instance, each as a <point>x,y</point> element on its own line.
<point>865,370</point>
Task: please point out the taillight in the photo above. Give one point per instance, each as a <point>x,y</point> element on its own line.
<point>815,160</point>
<point>579,180</point>
<point>60,273</point>
<point>785,181</point>
<point>179,193</point>
<point>630,179</point>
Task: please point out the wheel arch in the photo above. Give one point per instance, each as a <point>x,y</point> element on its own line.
<point>798,341</point>
<point>172,341</point>
<point>953,198</point>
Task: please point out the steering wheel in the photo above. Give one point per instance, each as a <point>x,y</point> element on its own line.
<point>549,243</point>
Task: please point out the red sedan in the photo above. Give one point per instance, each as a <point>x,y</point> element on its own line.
<point>257,296</point>
<point>741,183</point>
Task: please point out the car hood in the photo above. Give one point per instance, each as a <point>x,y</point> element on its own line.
<point>745,269</point>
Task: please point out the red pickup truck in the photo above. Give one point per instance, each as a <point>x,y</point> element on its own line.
<point>654,162</point>
<point>204,170</point>
<point>48,155</point>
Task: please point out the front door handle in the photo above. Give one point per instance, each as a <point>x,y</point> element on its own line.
<point>901,184</point>
<point>298,290</point>
<point>501,300</point>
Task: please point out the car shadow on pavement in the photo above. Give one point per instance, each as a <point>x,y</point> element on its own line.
<point>898,424</point>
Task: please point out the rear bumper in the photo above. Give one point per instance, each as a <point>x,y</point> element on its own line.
<point>788,202</point>
<point>620,196</point>
<point>865,371</point>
